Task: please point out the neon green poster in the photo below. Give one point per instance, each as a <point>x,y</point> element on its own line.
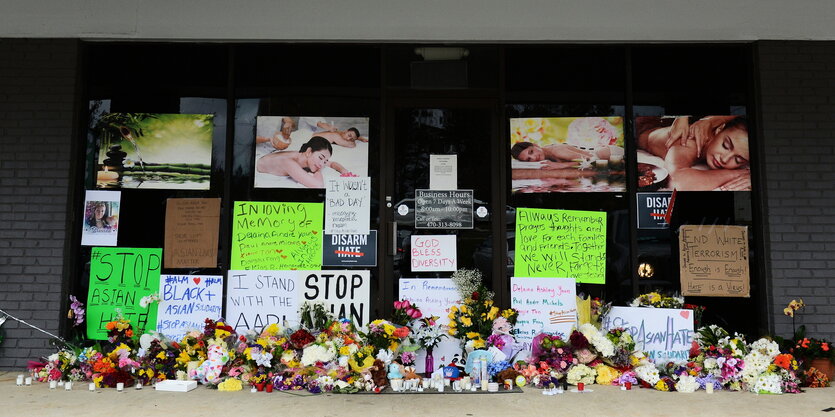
<point>277,236</point>
<point>119,278</point>
<point>561,244</point>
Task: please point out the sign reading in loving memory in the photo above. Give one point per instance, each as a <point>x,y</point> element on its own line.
<point>119,278</point>
<point>664,334</point>
<point>276,236</point>
<point>545,305</point>
<point>433,296</point>
<point>561,243</point>
<point>186,302</point>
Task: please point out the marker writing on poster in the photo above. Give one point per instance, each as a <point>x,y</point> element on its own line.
<point>276,236</point>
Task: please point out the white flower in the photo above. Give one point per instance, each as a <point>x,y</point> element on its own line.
<point>581,373</point>
<point>317,353</point>
<point>768,384</point>
<point>687,384</point>
<point>601,343</point>
<point>648,373</point>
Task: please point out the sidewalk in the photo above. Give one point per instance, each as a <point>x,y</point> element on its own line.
<point>39,400</point>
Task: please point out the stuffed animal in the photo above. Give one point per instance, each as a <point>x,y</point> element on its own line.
<point>409,373</point>
<point>210,370</point>
<point>378,375</point>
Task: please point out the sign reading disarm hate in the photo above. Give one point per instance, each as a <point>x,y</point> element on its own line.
<point>119,278</point>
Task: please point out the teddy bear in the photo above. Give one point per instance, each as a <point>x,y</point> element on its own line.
<point>209,371</point>
<point>378,375</point>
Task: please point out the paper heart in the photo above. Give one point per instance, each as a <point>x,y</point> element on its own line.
<point>283,256</point>
<point>685,314</point>
<point>279,250</point>
<point>196,280</point>
<point>304,242</point>
<point>314,231</point>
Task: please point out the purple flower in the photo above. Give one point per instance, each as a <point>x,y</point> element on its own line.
<point>77,311</point>
<point>408,358</point>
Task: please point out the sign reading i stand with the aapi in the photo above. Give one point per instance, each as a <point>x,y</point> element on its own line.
<point>443,209</point>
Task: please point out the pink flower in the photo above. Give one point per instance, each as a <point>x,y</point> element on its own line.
<point>398,305</point>
<point>406,304</point>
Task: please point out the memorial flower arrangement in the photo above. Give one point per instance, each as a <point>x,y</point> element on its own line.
<point>427,333</point>
<point>657,300</point>
<point>405,312</point>
<point>477,318</point>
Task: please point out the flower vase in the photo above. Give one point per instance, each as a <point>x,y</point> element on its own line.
<point>824,365</point>
<point>429,364</point>
<point>269,387</point>
<point>260,386</point>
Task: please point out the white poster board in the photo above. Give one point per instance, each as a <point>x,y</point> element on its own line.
<point>443,172</point>
<point>434,253</point>
<point>348,205</point>
<point>546,305</point>
<point>186,302</point>
<point>664,334</point>
<point>348,293</point>
<point>256,299</point>
<point>434,297</point>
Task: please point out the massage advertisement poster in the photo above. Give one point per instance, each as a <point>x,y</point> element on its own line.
<point>567,154</point>
<point>306,151</point>
<point>154,151</point>
<point>276,236</point>
<point>101,218</point>
<point>690,153</point>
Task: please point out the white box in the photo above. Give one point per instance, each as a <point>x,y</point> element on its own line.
<point>176,386</point>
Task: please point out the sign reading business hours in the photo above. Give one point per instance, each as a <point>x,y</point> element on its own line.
<point>443,209</point>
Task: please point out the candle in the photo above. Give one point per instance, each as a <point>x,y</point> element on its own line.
<point>627,385</point>
<point>20,380</point>
<point>253,390</point>
<point>68,386</point>
<point>120,386</point>
<point>92,387</point>
<point>581,386</point>
<point>138,385</point>
<point>53,384</point>
<point>709,388</point>
<point>28,380</point>
<point>484,380</point>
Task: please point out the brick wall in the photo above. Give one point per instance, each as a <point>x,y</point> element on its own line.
<point>798,113</point>
<point>37,87</point>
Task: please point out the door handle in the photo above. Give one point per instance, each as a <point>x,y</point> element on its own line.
<point>394,238</point>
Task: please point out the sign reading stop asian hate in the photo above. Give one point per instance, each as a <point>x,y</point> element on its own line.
<point>561,243</point>
<point>347,293</point>
<point>119,278</point>
<point>434,253</point>
<point>276,236</point>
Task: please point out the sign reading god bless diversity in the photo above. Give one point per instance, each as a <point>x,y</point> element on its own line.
<point>664,334</point>
<point>256,299</point>
<point>276,236</point>
<point>561,243</point>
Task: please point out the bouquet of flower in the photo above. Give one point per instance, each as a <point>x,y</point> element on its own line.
<point>657,300</point>
<point>623,344</point>
<point>473,321</point>
<point>192,348</point>
<point>427,333</point>
<point>405,312</point>
<point>383,335</point>
<point>158,364</point>
<point>314,316</point>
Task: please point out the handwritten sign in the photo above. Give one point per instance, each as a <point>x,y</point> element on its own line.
<point>434,253</point>
<point>256,299</point>
<point>276,236</point>
<point>561,243</point>
<point>433,296</point>
<point>664,334</point>
<point>191,229</point>
<point>714,261</point>
<point>348,293</point>
<point>350,250</point>
<point>188,300</point>
<point>437,209</point>
<point>545,305</point>
<point>348,205</point>
<point>119,278</point>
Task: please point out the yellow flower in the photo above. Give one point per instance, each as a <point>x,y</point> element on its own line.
<point>453,309</point>
<point>654,297</point>
<point>345,350</point>
<point>508,313</point>
<point>472,335</point>
<point>97,380</point>
<point>183,358</point>
<point>361,366</point>
<point>466,321</point>
<point>452,331</point>
<point>606,374</point>
<point>221,334</point>
<point>479,344</point>
<point>393,346</point>
<point>388,328</point>
<point>271,330</point>
<point>231,384</point>
<point>248,353</point>
<point>161,355</point>
<point>661,386</point>
<point>494,311</point>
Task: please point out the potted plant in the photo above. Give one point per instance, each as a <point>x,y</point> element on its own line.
<point>814,353</point>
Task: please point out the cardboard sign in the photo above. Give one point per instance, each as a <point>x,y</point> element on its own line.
<point>191,229</point>
<point>101,218</point>
<point>348,205</point>
<point>545,305</point>
<point>664,334</point>
<point>119,278</point>
<point>350,250</point>
<point>434,253</point>
<point>256,299</point>
<point>652,209</point>
<point>561,243</point>
<point>443,172</point>
<point>348,293</point>
<point>188,300</point>
<point>436,209</point>
<point>433,296</point>
<point>714,261</point>
<point>276,236</point>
